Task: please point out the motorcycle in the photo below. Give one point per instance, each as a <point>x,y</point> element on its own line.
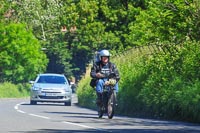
<point>108,101</point>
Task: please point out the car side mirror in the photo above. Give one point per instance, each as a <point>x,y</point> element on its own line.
<point>31,82</point>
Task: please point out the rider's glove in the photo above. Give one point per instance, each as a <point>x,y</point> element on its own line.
<point>99,75</point>
<point>107,83</point>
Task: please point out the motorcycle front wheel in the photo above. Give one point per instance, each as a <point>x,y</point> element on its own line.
<point>111,105</point>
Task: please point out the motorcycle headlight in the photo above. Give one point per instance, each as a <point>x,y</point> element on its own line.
<point>112,81</point>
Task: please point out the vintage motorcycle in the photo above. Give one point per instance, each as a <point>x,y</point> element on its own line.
<point>108,101</point>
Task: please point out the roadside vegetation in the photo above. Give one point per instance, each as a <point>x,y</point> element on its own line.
<point>9,90</point>
<point>162,84</point>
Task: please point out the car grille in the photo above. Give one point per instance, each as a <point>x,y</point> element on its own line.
<point>51,97</point>
<point>49,92</point>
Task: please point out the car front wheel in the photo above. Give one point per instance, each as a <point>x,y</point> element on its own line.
<point>68,103</point>
<point>33,102</point>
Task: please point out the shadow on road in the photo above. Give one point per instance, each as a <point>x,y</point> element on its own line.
<point>110,130</point>
<point>75,114</point>
<point>45,104</point>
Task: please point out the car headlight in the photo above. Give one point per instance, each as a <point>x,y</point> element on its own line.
<point>67,90</point>
<point>36,88</point>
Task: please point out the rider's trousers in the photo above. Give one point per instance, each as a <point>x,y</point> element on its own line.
<point>100,84</point>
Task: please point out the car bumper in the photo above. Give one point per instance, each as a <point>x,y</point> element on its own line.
<point>50,96</point>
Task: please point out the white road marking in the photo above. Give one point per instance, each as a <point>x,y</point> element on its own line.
<point>40,116</point>
<point>17,107</point>
<point>18,110</point>
<point>21,111</point>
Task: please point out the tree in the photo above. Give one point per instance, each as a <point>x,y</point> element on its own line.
<point>45,18</point>
<point>21,57</point>
<point>165,21</point>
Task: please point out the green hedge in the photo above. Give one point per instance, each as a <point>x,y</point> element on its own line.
<point>160,85</point>
<point>172,89</point>
<point>9,90</point>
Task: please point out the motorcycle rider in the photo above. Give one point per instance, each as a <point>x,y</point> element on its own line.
<point>101,68</point>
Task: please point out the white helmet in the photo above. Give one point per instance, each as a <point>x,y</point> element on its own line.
<point>104,53</point>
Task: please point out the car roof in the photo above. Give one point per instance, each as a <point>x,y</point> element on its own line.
<point>50,74</point>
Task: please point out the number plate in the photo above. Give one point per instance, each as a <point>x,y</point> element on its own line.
<point>50,94</point>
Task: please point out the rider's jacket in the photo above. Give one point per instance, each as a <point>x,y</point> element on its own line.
<point>104,69</point>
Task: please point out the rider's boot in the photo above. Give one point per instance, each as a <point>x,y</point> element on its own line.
<point>99,98</point>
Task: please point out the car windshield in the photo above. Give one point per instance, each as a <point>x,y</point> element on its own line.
<point>51,79</point>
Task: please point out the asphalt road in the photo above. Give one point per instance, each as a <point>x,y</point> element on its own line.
<point>18,116</point>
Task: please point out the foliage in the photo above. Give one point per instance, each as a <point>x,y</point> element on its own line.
<point>82,27</point>
<point>132,73</point>
<point>162,85</point>
<point>86,94</point>
<point>9,90</point>
<point>171,88</point>
<point>21,57</point>
<point>173,21</point>
<point>59,56</point>
<point>40,15</point>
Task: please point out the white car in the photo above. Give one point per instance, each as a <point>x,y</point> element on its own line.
<point>51,87</point>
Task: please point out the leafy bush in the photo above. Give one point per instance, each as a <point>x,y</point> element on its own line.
<point>132,74</point>
<point>9,90</point>
<point>162,85</point>
<point>171,89</point>
<point>86,94</point>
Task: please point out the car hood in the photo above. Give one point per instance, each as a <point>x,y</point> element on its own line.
<point>51,86</point>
